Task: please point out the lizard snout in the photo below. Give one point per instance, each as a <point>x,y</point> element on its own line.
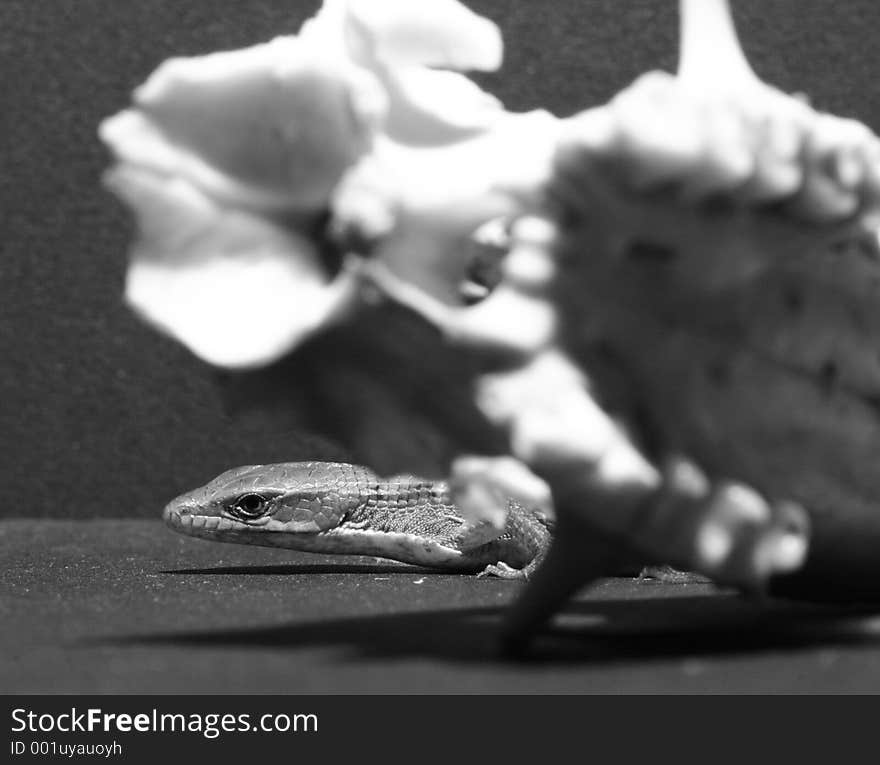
<point>178,514</point>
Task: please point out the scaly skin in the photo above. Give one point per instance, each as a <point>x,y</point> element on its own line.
<point>333,507</point>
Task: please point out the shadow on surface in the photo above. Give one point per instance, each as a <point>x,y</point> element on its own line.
<point>295,569</point>
<point>596,631</point>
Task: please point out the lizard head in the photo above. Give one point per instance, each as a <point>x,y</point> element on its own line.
<point>265,504</point>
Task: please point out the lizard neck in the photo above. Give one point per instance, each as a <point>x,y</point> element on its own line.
<point>406,504</point>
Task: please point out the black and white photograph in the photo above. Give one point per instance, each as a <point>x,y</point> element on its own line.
<point>435,348</point>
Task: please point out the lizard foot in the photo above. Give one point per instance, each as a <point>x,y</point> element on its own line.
<point>502,571</point>
<point>665,574</point>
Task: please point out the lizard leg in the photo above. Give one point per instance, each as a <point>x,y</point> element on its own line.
<point>501,570</point>
<point>667,574</point>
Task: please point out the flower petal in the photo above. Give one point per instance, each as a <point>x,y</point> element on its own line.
<point>398,42</point>
<point>239,290</point>
<point>428,107</point>
<point>439,196</point>
<point>437,33</point>
<point>137,140</point>
<point>276,120</point>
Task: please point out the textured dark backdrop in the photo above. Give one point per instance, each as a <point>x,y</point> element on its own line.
<point>99,415</point>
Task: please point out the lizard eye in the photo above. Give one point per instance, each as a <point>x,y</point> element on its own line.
<point>250,506</point>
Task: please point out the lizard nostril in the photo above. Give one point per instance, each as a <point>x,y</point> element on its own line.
<point>174,514</point>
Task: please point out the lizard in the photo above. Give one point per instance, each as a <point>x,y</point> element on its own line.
<point>336,507</point>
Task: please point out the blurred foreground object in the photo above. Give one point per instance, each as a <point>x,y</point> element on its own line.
<point>714,267</point>
<point>678,343</point>
<point>235,164</point>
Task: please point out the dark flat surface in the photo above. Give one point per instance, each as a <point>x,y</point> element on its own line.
<point>127,606</point>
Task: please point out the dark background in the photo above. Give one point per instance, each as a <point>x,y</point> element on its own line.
<point>100,415</point>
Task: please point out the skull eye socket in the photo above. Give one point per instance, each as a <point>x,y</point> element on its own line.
<point>250,506</point>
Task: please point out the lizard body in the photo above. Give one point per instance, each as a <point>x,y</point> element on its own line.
<point>333,507</point>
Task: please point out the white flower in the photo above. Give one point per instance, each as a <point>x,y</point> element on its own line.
<point>232,162</point>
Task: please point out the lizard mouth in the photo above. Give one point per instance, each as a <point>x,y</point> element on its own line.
<point>184,519</point>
